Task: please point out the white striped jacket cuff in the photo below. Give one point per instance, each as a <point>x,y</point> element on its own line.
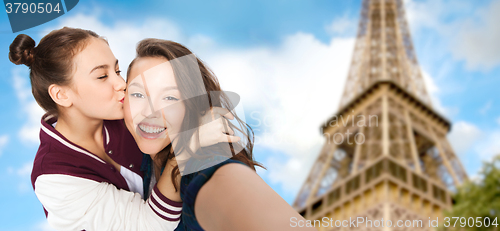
<point>164,207</point>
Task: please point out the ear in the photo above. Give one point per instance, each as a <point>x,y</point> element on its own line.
<point>60,95</point>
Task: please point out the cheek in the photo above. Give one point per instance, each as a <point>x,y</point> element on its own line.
<point>101,93</point>
<point>95,93</point>
<point>175,115</point>
<point>106,88</point>
<point>127,115</point>
<point>181,115</point>
<point>136,106</point>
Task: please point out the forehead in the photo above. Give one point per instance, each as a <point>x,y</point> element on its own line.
<point>96,52</point>
<point>155,71</point>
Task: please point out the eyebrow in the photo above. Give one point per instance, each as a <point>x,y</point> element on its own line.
<point>169,88</point>
<point>163,89</point>
<point>136,84</point>
<point>104,66</point>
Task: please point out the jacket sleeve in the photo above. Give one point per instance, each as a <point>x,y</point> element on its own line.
<point>75,203</point>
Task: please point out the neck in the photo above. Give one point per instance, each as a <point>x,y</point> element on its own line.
<point>79,128</point>
<point>156,157</point>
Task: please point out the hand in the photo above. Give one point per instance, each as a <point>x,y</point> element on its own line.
<point>214,129</point>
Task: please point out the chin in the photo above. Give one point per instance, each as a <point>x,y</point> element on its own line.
<point>148,149</point>
<point>116,117</point>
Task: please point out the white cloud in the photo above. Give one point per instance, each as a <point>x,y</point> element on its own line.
<point>43,226</point>
<point>479,144</point>
<point>29,131</point>
<point>433,90</point>
<point>477,41</point>
<point>438,15</point>
<point>291,173</point>
<point>24,187</point>
<point>20,83</point>
<point>343,26</point>
<point>430,85</point>
<point>24,174</point>
<point>288,84</point>
<point>486,107</point>
<point>25,170</point>
<point>463,136</point>
<point>4,140</point>
<point>473,39</point>
<point>489,147</point>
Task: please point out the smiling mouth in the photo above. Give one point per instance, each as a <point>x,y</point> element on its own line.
<point>149,131</point>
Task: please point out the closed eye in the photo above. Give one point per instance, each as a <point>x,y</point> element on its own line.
<point>102,77</point>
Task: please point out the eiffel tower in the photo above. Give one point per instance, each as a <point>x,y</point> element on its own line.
<point>386,155</point>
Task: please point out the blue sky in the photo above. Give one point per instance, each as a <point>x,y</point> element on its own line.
<point>288,60</point>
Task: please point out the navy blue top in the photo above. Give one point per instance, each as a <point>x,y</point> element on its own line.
<point>191,185</point>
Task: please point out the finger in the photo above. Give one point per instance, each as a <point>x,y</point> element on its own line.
<point>223,112</point>
<point>227,128</point>
<point>231,139</point>
<point>230,131</point>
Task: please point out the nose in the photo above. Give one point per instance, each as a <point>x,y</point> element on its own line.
<point>119,84</point>
<point>147,111</point>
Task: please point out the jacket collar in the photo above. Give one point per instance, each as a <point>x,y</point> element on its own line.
<point>48,130</point>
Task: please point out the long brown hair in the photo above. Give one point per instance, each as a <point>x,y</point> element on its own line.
<point>51,62</point>
<point>194,108</point>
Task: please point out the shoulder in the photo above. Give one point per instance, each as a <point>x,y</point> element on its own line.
<point>234,171</point>
<point>229,180</point>
<point>56,161</point>
<point>191,184</point>
<point>67,163</point>
<point>233,187</point>
<point>242,201</point>
<point>232,178</point>
<point>48,160</point>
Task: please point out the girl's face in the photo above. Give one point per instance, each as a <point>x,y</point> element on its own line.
<point>97,89</point>
<point>153,109</point>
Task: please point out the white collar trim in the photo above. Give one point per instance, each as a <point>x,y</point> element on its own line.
<point>71,146</point>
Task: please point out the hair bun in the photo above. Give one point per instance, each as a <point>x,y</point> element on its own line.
<point>22,50</point>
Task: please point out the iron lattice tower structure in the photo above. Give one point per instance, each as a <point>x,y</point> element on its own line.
<point>403,168</point>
